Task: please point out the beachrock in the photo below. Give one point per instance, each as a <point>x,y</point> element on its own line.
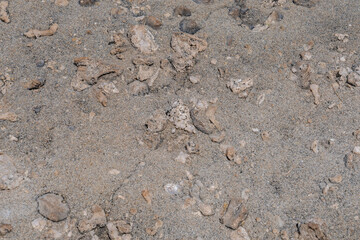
<point>179,115</point>
<point>5,229</point>
<point>10,178</point>
<point>239,234</point>
<point>235,214</point>
<point>98,219</point>
<point>182,11</point>
<point>138,88</point>
<point>89,71</point>
<point>53,207</point>
<point>311,231</point>
<point>4,15</point>
<point>186,47</point>
<point>157,122</point>
<point>143,39</point>
<point>189,26</point>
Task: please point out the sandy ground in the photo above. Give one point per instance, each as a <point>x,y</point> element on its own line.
<point>169,151</point>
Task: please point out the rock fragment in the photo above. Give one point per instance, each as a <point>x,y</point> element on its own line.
<point>39,224</point>
<point>342,37</point>
<point>189,26</point>
<point>311,231</point>
<point>5,229</point>
<point>239,234</point>
<point>153,22</point>
<point>356,150</point>
<point>336,179</point>
<point>230,153</point>
<point>240,86</point>
<point>152,231</point>
<point>87,3</point>
<point>265,136</point>
<point>61,3</point>
<point>35,84</point>
<point>218,137</point>
<point>8,116</point>
<point>120,45</point>
<point>89,71</point>
<point>180,117</point>
<point>206,209</point>
<point>157,122</point>
<point>315,91</point>
<point>194,79</point>
<point>315,146</point>
<point>182,11</point>
<point>98,219</point>
<point>186,47</point>
<point>138,88</point>
<point>4,15</point>
<point>236,214</point>
<point>143,39</point>
<point>146,195</point>
<point>53,207</point>
<point>35,33</point>
<point>182,157</point>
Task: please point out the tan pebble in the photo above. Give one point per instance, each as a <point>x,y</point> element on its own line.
<point>315,146</point>
<point>306,56</point>
<point>153,22</point>
<point>4,15</point>
<point>276,231</point>
<point>336,179</point>
<point>114,172</point>
<point>230,153</point>
<point>213,61</point>
<point>206,209</point>
<point>133,211</point>
<point>265,136</point>
<point>194,79</point>
<point>237,160</point>
<point>62,3</point>
<point>284,235</point>
<point>217,137</point>
<point>5,229</point>
<point>356,150</point>
<point>315,91</point>
<point>8,116</point>
<point>152,231</point>
<point>35,33</point>
<point>146,195</point>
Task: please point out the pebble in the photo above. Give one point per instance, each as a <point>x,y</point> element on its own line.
<point>180,116</point>
<point>315,91</point>
<point>146,195</point>
<point>152,231</point>
<point>218,137</point>
<point>153,22</point>
<point>311,230</point>
<point>5,229</point>
<point>230,153</point>
<point>4,15</point>
<point>305,3</point>
<point>236,214</point>
<point>336,179</point>
<point>143,39</point>
<point>189,26</point>
<point>239,234</point>
<point>61,3</point>
<point>172,188</point>
<point>114,172</point>
<point>342,37</point>
<point>40,63</point>
<point>306,56</point>
<point>194,79</point>
<point>182,157</point>
<point>182,11</point>
<point>98,219</point>
<point>192,147</point>
<point>35,84</point>
<point>157,122</point>
<point>315,146</point>
<point>213,61</point>
<point>206,209</point>
<point>356,150</point>
<point>138,88</point>
<point>265,136</point>
<point>39,224</point>
<point>53,207</point>
<point>238,85</point>
<point>8,116</point>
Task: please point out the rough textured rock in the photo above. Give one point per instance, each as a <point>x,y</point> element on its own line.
<point>143,39</point>
<point>189,26</point>
<point>4,15</point>
<point>239,234</point>
<point>180,116</point>
<point>35,33</point>
<point>186,48</point>
<point>53,207</point>
<point>236,214</point>
<point>5,229</point>
<point>98,219</point>
<point>182,11</point>
<point>311,231</point>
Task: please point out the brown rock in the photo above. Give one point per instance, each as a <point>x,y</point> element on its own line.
<point>35,33</point>
<point>230,153</point>
<point>34,84</point>
<point>87,3</point>
<point>8,116</point>
<point>311,231</point>
<point>189,26</point>
<point>98,219</point>
<point>53,207</point>
<point>143,39</point>
<point>61,3</point>
<point>146,195</point>
<point>236,214</point>
<point>5,229</point>
<point>305,3</point>
<point>4,15</point>
<point>153,22</point>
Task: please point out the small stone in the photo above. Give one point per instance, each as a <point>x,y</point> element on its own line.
<point>123,227</point>
<point>189,26</point>
<point>114,172</point>
<point>146,195</point>
<point>356,150</point>
<point>40,63</point>
<point>13,138</point>
<point>239,85</point>
<point>5,229</point>
<point>230,153</point>
<point>180,116</point>
<point>239,234</point>
<point>306,56</point>
<point>308,46</point>
<point>39,224</point>
<point>153,22</point>
<point>284,235</point>
<point>182,11</point>
<point>218,137</point>
<point>4,15</point>
<point>53,207</point>
<point>237,160</point>
<point>315,146</point>
<point>265,136</point>
<point>157,122</point>
<point>61,3</point>
<point>8,116</point>
<point>172,188</point>
<point>194,79</point>
<point>138,88</point>
<point>236,214</point>
<point>342,37</point>
<point>305,3</point>
<point>311,231</point>
<point>315,91</point>
<point>87,3</point>
<point>206,209</point>
<point>192,148</point>
<point>35,84</point>
<point>213,61</point>
<point>143,39</point>
<point>152,231</point>
<point>98,219</point>
<point>336,179</point>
